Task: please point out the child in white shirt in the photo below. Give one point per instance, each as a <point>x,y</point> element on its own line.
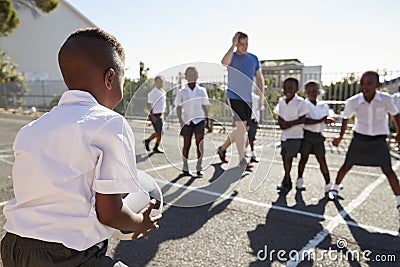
<point>292,111</point>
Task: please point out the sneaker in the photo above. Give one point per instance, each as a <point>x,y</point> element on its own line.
<point>146,144</point>
<point>222,155</point>
<point>186,173</point>
<point>300,184</point>
<point>332,194</point>
<point>253,159</point>
<point>284,187</point>
<point>200,173</point>
<point>158,150</point>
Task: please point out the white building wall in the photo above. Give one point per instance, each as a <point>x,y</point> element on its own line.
<point>34,45</point>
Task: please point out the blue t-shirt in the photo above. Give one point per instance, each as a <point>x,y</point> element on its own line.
<point>241,73</point>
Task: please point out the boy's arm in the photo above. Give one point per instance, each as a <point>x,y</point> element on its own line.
<point>343,129</point>
<point>205,109</point>
<point>150,109</point>
<point>282,123</point>
<point>111,212</point>
<point>300,120</point>
<point>179,113</point>
<point>314,121</point>
<point>324,119</point>
<point>396,121</point>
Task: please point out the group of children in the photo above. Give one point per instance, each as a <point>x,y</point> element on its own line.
<point>302,122</point>
<point>81,155</point>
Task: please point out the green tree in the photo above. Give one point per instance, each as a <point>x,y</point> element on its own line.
<point>12,84</point>
<point>343,89</point>
<point>36,6</point>
<point>8,18</point>
<point>131,86</point>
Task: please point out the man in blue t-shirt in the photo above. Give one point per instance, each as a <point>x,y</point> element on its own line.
<point>242,68</point>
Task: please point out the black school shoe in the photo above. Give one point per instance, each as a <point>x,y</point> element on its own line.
<point>284,187</point>
<point>253,159</point>
<point>200,173</point>
<point>157,149</point>
<point>146,144</point>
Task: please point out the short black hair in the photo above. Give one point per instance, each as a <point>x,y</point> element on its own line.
<point>88,50</point>
<point>371,73</point>
<point>311,83</point>
<point>291,79</point>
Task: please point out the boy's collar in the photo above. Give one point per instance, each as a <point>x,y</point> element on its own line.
<point>377,97</point>
<point>73,96</point>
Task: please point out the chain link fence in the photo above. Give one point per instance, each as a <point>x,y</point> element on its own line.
<point>335,89</point>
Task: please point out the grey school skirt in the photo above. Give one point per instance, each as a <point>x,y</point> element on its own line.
<point>366,150</point>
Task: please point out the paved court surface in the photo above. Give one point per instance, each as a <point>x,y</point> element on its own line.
<point>221,220</point>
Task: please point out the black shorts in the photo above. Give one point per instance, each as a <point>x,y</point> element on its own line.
<point>366,150</point>
<point>253,125</point>
<point>290,147</point>
<point>22,251</point>
<point>241,110</point>
<point>189,130</point>
<point>312,143</point>
<point>159,123</point>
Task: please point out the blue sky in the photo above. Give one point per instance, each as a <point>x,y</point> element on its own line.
<point>340,35</point>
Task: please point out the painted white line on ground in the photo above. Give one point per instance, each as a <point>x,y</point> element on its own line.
<point>338,219</point>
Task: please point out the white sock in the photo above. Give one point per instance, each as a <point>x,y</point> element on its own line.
<point>335,187</point>
<point>398,200</point>
<point>253,153</point>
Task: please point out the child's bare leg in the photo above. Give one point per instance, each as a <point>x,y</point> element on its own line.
<point>342,172</point>
<point>302,164</point>
<point>323,167</point>
<point>394,183</point>
<point>332,194</point>
<point>393,180</point>
<point>287,165</point>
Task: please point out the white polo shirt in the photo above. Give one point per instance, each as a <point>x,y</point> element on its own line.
<point>316,112</point>
<point>156,98</point>
<point>255,111</point>
<point>291,111</point>
<point>396,98</point>
<point>61,161</point>
<point>371,118</point>
<point>192,102</point>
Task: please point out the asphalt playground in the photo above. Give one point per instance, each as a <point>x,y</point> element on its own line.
<point>234,218</point>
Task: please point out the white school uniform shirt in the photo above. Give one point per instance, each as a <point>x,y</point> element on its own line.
<point>255,111</point>
<point>371,118</point>
<point>396,98</point>
<point>191,102</point>
<point>293,110</point>
<point>156,97</point>
<point>316,112</point>
<point>61,160</point>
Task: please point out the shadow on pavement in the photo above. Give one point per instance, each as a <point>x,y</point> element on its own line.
<point>285,233</point>
<point>189,212</point>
